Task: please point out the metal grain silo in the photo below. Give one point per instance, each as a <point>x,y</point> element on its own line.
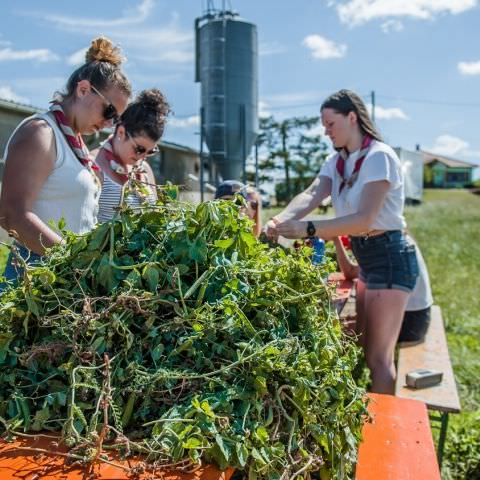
<point>227,68</point>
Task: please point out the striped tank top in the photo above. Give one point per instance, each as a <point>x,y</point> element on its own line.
<point>110,199</point>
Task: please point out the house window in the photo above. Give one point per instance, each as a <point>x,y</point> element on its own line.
<point>458,177</point>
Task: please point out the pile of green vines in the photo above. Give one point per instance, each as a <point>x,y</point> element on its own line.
<point>175,334</point>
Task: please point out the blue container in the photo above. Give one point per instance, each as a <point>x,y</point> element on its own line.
<point>318,255</point>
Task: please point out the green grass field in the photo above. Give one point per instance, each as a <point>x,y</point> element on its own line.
<point>447,229</point>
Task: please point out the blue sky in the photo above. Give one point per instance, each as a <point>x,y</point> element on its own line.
<point>421,57</point>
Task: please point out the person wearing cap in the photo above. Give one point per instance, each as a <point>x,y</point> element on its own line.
<point>252,209</point>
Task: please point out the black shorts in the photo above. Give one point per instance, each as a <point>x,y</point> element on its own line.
<point>415,325</point>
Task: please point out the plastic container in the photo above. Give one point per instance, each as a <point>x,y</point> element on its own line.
<point>318,246</point>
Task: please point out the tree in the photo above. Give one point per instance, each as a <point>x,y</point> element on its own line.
<point>294,146</point>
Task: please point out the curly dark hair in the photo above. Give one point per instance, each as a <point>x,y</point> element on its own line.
<point>346,101</point>
<point>147,114</point>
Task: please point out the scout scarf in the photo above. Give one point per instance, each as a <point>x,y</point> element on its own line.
<point>75,141</point>
<point>341,161</point>
<point>134,179</point>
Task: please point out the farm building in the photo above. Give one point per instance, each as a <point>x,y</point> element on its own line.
<point>445,172</point>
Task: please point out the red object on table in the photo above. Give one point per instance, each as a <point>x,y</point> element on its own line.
<point>345,239</point>
<point>343,286</point>
<point>17,463</point>
<point>398,444</point>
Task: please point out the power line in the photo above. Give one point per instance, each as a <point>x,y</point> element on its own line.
<point>430,102</point>
<point>367,96</point>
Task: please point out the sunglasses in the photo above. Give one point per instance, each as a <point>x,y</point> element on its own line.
<point>140,149</point>
<point>109,112</point>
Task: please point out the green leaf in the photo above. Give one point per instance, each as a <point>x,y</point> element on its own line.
<point>198,249</point>
<point>192,442</point>
<point>262,435</point>
<point>224,244</point>
<point>98,236</point>
<point>157,352</point>
<point>242,453</point>
<point>152,275</point>
<point>105,274</point>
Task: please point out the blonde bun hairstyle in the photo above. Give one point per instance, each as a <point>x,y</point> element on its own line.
<point>101,68</point>
<point>103,50</point>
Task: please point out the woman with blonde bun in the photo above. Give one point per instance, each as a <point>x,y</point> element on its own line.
<point>49,175</point>
<point>122,157</point>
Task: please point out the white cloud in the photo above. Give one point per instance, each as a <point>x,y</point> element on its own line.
<point>357,12</point>
<point>192,121</point>
<point>167,43</point>
<point>131,16</point>
<point>271,48</point>
<point>392,26</point>
<point>40,55</point>
<point>7,93</point>
<point>449,145</point>
<point>77,58</point>
<point>264,109</point>
<point>324,49</point>
<point>382,113</point>
<point>317,131</point>
<point>469,68</point>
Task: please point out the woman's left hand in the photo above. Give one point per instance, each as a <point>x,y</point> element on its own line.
<point>292,229</point>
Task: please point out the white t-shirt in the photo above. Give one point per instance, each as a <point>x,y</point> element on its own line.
<point>421,296</point>
<point>381,163</point>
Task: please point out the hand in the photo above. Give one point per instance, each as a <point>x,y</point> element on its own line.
<point>292,229</point>
<point>271,229</point>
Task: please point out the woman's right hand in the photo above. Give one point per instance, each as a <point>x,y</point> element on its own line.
<point>271,229</point>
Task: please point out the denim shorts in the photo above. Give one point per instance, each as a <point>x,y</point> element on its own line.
<point>13,270</point>
<point>386,261</point>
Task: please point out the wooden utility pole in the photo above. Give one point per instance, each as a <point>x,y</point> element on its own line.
<point>373,105</point>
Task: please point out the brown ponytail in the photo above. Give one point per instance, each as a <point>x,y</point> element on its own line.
<point>346,101</point>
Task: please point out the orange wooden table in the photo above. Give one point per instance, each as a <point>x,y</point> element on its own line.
<point>398,444</point>
<point>17,463</point>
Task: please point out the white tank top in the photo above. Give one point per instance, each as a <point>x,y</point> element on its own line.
<point>70,191</point>
<point>110,199</point>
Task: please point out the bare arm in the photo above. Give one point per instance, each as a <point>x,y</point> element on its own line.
<point>30,160</point>
<point>348,268</point>
<point>371,201</point>
<point>306,201</point>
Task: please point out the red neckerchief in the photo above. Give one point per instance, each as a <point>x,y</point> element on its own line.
<point>134,174</point>
<point>75,141</point>
<point>342,158</point>
<point>107,148</point>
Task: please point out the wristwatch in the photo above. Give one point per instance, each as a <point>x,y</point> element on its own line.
<point>311,230</point>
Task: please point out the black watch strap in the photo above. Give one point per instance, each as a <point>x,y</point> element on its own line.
<point>311,229</point>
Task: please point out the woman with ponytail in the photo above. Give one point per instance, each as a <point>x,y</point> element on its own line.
<point>365,180</point>
<point>126,174</point>
<point>49,175</point>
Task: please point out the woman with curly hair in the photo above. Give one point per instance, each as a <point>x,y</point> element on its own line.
<point>126,175</point>
<point>49,175</point>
